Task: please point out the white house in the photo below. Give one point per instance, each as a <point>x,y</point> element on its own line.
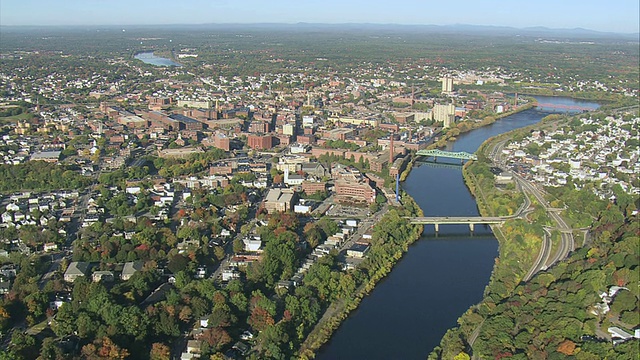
<point>252,244</point>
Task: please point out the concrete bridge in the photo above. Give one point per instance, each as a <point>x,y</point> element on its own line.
<point>469,220</point>
<point>435,153</point>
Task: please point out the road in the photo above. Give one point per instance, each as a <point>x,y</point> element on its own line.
<point>567,244</point>
<point>566,241</point>
<point>541,260</point>
<point>363,227</point>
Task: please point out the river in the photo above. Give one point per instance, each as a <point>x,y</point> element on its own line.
<point>440,276</point>
<point>150,58</point>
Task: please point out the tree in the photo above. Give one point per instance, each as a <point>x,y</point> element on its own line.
<point>160,351</point>
<point>49,350</point>
<point>238,245</point>
<point>221,316</point>
<point>104,348</point>
<point>260,319</point>
<point>462,356</point>
<point>4,318</point>
<point>216,338</point>
<point>624,301</point>
<point>22,343</point>
<point>567,347</point>
<point>177,263</point>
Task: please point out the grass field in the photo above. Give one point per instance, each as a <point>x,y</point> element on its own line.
<point>14,119</point>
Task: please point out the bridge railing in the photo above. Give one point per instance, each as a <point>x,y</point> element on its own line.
<point>448,154</point>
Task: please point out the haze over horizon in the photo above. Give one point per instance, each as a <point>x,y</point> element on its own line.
<point>618,16</point>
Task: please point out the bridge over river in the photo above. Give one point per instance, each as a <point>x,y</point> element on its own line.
<point>453,220</point>
<point>435,153</point>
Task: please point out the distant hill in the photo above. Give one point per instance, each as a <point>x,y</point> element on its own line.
<point>539,31</point>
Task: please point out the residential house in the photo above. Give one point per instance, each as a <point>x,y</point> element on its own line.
<point>104,276</point>
<point>75,270</point>
<point>130,268</point>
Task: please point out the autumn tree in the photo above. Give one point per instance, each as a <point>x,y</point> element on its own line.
<point>160,351</point>
<point>216,338</point>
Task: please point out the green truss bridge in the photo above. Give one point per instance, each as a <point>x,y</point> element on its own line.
<point>436,153</point>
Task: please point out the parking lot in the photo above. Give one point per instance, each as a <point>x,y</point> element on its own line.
<point>338,210</point>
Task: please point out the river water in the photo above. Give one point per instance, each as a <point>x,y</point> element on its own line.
<point>440,276</point>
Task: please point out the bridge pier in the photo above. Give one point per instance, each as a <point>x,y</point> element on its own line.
<point>437,227</point>
<point>471,227</point>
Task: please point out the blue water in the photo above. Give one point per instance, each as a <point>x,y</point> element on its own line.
<point>440,276</point>
<point>564,101</point>
<point>150,58</point>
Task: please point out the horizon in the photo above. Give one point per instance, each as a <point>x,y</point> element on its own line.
<point>302,23</point>
<point>620,16</point>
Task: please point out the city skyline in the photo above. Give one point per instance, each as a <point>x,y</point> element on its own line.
<point>619,16</point>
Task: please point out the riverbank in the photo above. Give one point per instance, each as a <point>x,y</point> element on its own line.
<point>464,129</point>
<point>450,134</point>
<point>506,274</point>
<point>531,318</point>
<point>379,262</point>
<point>519,240</point>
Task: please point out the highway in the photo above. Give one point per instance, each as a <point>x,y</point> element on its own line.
<point>567,244</point>
<point>541,260</point>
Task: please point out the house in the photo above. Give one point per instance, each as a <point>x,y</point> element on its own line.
<point>241,347</point>
<point>5,286</point>
<point>75,270</point>
<point>229,274</point>
<point>201,272</point>
<point>50,247</point>
<point>193,346</point>
<point>105,276</point>
<point>204,322</point>
<point>619,336</point>
<point>59,299</point>
<point>284,284</point>
<point>8,271</point>
<point>252,244</point>
<point>246,335</point>
<point>130,268</point>
<point>6,217</point>
<point>358,250</point>
<point>504,178</point>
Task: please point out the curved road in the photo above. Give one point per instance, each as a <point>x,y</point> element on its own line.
<point>567,243</point>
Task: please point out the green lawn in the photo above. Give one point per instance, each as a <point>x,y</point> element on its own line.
<point>15,118</point>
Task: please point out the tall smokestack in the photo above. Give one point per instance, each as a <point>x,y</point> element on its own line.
<point>391,150</point>
<point>413,96</point>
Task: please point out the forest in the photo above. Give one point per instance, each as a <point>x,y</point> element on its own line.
<point>552,316</point>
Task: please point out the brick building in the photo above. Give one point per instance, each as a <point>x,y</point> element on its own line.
<point>259,127</point>
<point>356,190</point>
<point>312,187</point>
<point>221,141</point>
<point>260,142</point>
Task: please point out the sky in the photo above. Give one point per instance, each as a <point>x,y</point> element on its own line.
<point>602,15</point>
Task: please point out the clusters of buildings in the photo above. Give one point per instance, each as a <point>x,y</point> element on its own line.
<point>616,334</point>
<point>596,151</point>
<point>279,140</point>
